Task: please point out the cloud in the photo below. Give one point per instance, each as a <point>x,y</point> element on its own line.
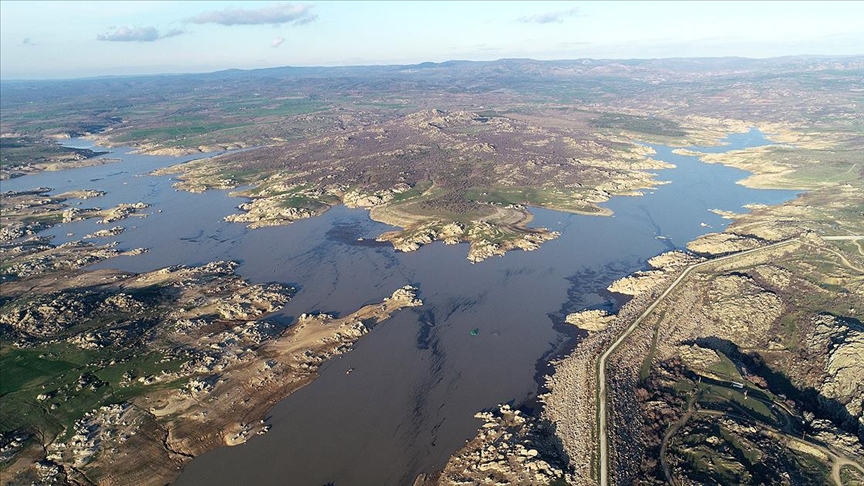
<point>551,17</point>
<point>283,13</point>
<point>277,42</point>
<point>137,34</point>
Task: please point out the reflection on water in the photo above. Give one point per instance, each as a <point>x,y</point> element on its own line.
<point>420,376</point>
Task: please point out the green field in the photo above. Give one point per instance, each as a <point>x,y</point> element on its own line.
<point>58,371</point>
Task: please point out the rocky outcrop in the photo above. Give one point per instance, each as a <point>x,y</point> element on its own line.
<point>748,322</point>
<point>15,230</point>
<point>272,211</point>
<point>697,357</point>
<point>504,451</point>
<point>590,320</point>
<point>121,211</point>
<point>228,364</point>
<point>636,283</point>
<point>642,281</point>
<point>82,194</point>
<point>355,199</point>
<point>722,243</point>
<point>742,309</point>
<point>205,320</point>
<point>113,424</point>
<point>269,371</point>
<point>725,214</point>
<point>48,315</point>
<point>844,366</point>
<point>482,247</point>
<point>116,230</point>
<point>486,239</point>
<point>43,259</point>
<point>26,213</point>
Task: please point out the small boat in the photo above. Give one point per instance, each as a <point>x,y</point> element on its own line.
<point>348,372</point>
<point>475,331</point>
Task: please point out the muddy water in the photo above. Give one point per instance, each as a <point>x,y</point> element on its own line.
<point>419,377</point>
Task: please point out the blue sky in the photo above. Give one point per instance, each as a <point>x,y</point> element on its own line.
<point>74,39</point>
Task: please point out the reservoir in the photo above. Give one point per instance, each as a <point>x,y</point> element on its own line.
<point>419,377</point>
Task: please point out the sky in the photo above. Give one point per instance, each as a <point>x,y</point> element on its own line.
<point>48,40</point>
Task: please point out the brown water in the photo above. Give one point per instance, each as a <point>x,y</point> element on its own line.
<point>419,377</point>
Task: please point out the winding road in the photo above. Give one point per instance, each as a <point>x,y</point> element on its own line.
<point>838,460</point>
<point>601,363</point>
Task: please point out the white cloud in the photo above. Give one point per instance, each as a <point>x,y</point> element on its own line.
<point>283,13</point>
<point>137,34</point>
<point>551,17</point>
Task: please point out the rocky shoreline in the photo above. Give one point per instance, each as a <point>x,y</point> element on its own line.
<point>745,304</point>
<point>510,448</point>
<point>23,155</point>
<point>569,406</point>
<point>215,366</point>
<point>406,172</point>
<point>23,254</point>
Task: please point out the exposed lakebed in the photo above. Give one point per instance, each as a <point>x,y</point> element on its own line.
<point>419,378</point>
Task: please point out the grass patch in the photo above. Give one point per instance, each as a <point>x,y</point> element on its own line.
<point>850,476</point>
<point>639,124</point>
<point>418,190</point>
<point>288,108</point>
<point>789,324</point>
<point>71,381</point>
<point>17,152</point>
<point>725,368</point>
<point>530,196</point>
<point>28,368</point>
<point>50,218</point>
<point>296,201</point>
<point>724,398</point>
<point>181,131</point>
<point>806,467</point>
<point>243,177</point>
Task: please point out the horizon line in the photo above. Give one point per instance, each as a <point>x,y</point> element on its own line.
<point>398,65</point>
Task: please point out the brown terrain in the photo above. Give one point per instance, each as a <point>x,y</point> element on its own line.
<point>457,176</point>
<point>746,372</point>
<point>172,354</point>
<point>22,155</point>
<point>200,346</point>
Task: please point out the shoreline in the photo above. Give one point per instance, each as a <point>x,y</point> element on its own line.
<point>573,365</point>
<point>567,344</point>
